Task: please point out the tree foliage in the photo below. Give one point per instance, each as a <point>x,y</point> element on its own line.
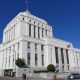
<point>51,68</point>
<point>20,62</point>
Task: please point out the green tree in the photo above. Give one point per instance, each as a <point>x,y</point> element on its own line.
<point>51,68</point>
<point>20,62</point>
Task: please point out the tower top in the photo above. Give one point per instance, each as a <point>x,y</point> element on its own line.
<point>26,1</point>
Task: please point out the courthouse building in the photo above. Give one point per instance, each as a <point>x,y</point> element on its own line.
<point>31,38</point>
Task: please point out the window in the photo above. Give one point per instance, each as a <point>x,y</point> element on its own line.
<point>62,56</point>
<point>38,23</point>
<point>18,55</point>
<point>63,67</point>
<point>18,46</point>
<point>42,59</point>
<point>29,20</point>
<point>23,18</point>
<point>18,51</point>
<point>36,59</point>
<point>9,61</point>
<point>28,58</point>
<point>68,67</point>
<point>34,22</point>
<point>14,31</point>
<point>35,46</point>
<point>42,32</point>
<point>56,54</point>
<point>67,56</point>
<point>46,32</point>
<point>29,30</point>
<point>38,32</point>
<point>34,31</point>
<point>13,60</point>
<point>28,45</point>
<point>42,47</point>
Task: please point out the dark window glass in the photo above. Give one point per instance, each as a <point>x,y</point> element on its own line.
<point>46,32</point>
<point>28,45</point>
<point>62,56</point>
<point>67,56</point>
<point>42,59</point>
<point>29,20</point>
<point>9,60</point>
<point>34,31</point>
<point>42,47</point>
<point>36,59</point>
<point>18,55</point>
<point>35,46</point>
<point>42,32</point>
<point>23,18</point>
<point>28,58</point>
<point>18,46</point>
<point>56,54</point>
<point>38,32</point>
<point>29,30</point>
<point>38,23</point>
<point>68,67</point>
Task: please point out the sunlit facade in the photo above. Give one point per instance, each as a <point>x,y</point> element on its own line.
<point>31,38</point>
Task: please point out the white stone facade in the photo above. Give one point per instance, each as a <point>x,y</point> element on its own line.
<point>31,38</point>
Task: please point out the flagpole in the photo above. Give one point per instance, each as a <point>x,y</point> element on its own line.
<point>26,1</point>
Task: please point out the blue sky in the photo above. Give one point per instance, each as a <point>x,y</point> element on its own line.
<point>62,15</point>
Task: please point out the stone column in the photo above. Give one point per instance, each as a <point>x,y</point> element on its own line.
<point>65,61</point>
<point>60,59</point>
<point>53,56</point>
<point>39,55</point>
<point>32,31</point>
<point>32,59</point>
<point>36,32</point>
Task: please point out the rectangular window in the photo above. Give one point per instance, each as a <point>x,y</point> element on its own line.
<point>46,32</point>
<point>14,32</point>
<point>28,45</point>
<point>67,56</point>
<point>9,61</point>
<point>29,30</point>
<point>36,59</point>
<point>62,56</point>
<point>42,32</point>
<point>42,47</point>
<point>42,59</point>
<point>18,50</point>
<point>18,46</point>
<point>28,58</point>
<point>56,54</point>
<point>38,32</point>
<point>13,60</point>
<point>34,31</point>
<point>35,46</point>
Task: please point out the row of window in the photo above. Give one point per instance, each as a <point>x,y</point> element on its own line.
<point>36,59</point>
<point>46,31</point>
<point>10,34</point>
<point>29,46</point>
<point>35,22</point>
<point>7,56</point>
<point>62,55</point>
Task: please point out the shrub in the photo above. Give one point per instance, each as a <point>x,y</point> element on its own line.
<point>51,68</point>
<point>20,62</point>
